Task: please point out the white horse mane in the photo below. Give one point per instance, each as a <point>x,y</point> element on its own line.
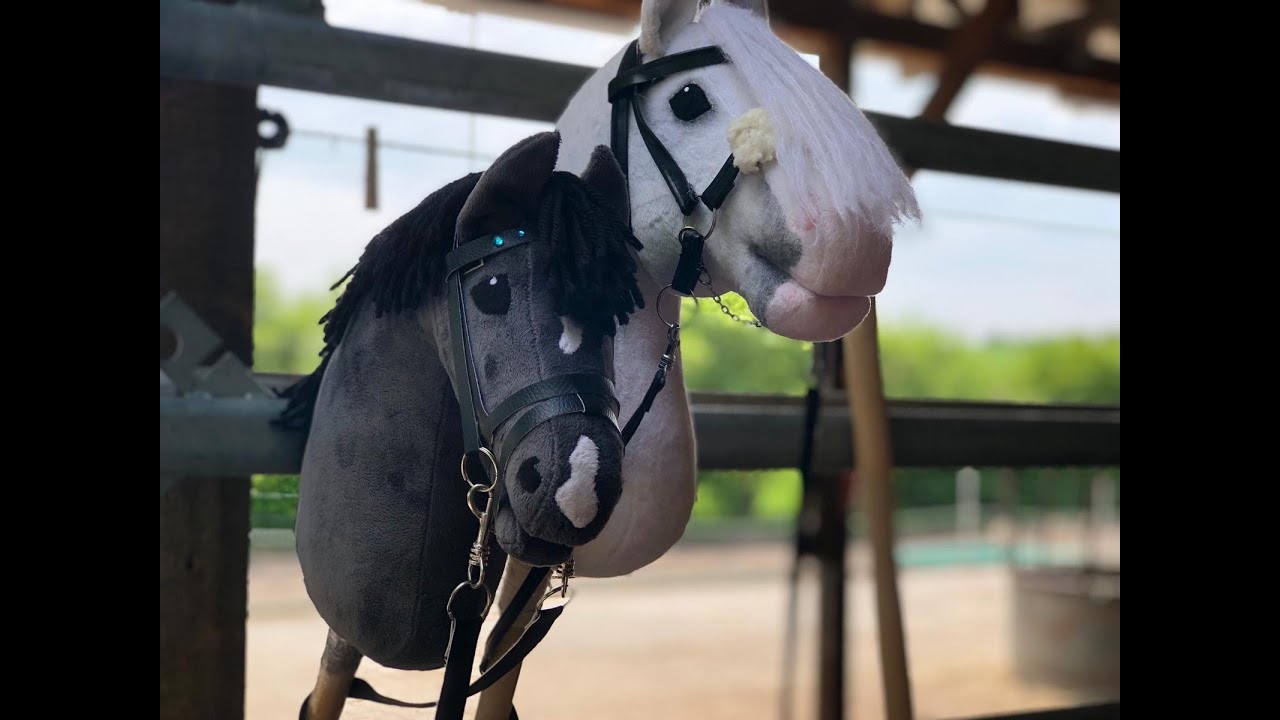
<point>818,127</point>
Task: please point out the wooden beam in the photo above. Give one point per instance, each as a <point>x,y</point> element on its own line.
<point>965,48</point>
<point>247,47</point>
<point>855,23</point>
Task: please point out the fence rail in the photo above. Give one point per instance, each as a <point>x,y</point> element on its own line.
<point>207,436</point>
<point>250,46</point>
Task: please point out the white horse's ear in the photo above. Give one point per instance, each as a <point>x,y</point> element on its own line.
<point>757,7</point>
<point>660,20</point>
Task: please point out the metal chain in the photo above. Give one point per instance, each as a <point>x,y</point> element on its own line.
<point>705,279</point>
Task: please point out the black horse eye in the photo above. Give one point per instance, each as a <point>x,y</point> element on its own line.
<point>689,102</point>
<point>492,295</point>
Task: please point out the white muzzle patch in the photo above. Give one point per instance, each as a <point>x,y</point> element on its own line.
<point>752,140</point>
<point>577,497</point>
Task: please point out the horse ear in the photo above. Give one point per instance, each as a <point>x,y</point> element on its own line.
<point>605,176</point>
<point>757,7</point>
<point>507,193</point>
<point>660,20</point>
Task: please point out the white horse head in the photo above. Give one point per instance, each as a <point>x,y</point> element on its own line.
<point>806,235</point>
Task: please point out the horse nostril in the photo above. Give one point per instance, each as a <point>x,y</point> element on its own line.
<point>529,476</point>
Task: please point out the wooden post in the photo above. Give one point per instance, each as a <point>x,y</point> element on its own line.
<point>968,501</point>
<point>1009,504</point>
<point>208,137</point>
<point>872,451</point>
<point>832,551</point>
<point>834,55</point>
<point>872,445</point>
<point>371,169</point>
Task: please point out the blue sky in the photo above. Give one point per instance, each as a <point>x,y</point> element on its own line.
<point>991,258</point>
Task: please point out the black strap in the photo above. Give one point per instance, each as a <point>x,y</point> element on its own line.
<point>632,76</point>
<point>600,405</point>
<point>655,386</point>
<point>713,197</point>
<point>529,639</point>
<point>531,585</point>
<point>362,690</point>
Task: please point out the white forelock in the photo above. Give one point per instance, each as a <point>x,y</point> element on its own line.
<point>838,171</point>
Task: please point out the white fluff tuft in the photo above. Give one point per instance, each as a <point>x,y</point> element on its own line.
<point>752,140</point>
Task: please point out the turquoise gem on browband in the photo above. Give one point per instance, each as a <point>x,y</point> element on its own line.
<point>497,240</point>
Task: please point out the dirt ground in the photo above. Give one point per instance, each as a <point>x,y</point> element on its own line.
<point>698,634</point>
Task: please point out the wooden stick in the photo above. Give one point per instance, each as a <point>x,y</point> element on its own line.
<point>495,702</point>
<point>874,460</point>
<point>872,450</point>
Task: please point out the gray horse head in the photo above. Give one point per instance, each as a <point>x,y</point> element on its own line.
<point>546,309</point>
<point>383,529</point>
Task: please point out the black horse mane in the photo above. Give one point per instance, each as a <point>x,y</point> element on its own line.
<point>592,278</point>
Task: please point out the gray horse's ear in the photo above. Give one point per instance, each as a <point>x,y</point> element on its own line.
<point>605,176</point>
<point>507,193</point>
<point>661,19</point>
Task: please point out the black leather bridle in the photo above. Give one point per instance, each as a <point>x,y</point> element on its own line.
<point>632,80</point>
<point>482,426</point>
<point>588,393</point>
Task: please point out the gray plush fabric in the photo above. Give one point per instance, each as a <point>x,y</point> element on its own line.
<point>383,529</point>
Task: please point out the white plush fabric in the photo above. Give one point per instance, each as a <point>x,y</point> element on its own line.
<point>577,496</point>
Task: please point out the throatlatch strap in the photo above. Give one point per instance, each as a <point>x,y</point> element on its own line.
<point>655,386</point>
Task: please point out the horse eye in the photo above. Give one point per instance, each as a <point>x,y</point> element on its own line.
<point>492,296</point>
<point>689,102</point>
